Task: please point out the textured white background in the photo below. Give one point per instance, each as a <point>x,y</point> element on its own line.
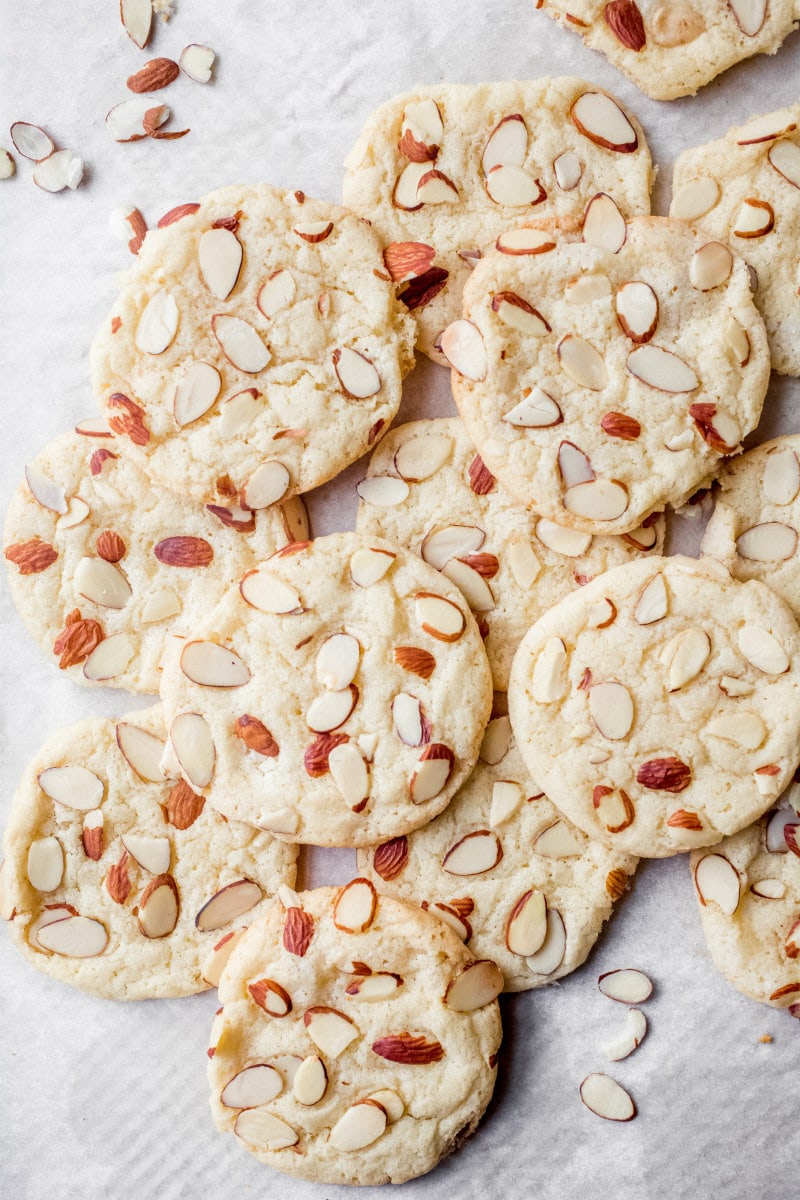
<point>103,1100</point>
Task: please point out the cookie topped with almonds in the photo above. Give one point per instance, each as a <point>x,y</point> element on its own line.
<point>121,881</point>
<point>336,695</point>
<point>755,524</point>
<point>427,489</point>
<point>358,1038</point>
<point>605,374</point>
<point>671,48</point>
<point>256,338</point>
<point>748,890</point>
<point>444,170</point>
<point>103,565</point>
<point>516,881</point>
<point>658,706</point>
<point>744,189</point>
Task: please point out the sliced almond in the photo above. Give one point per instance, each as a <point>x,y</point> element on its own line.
<point>766,128</point>
<point>74,787</point>
<point>750,15</point>
<point>603,1096</point>
<point>582,362</point>
<point>439,617</point>
<point>277,293</point>
<point>637,310</point>
<point>588,288</point>
<point>257,1084</point>
<point>391,1102</point>
<point>522,560</point>
<point>433,770</point>
<point>310,1081</point>
<point>73,936</point>
<point>628,985</point>
<point>30,141</point>
<point>337,661</point>
<point>471,584</point>
<point>550,955</point>
<point>661,369</point>
<point>558,841</point>
<point>420,457</point>
<point>568,170</point>
<point>733,687</point>
<point>769,889</point>
<point>239,412</point>
<point>404,194</point>
<point>525,241</point>
<point>717,880</point>
<point>507,797</point>
<point>477,984</point>
<point>369,566</point>
<point>463,346</point>
<point>652,604</point>
<point>550,679</point>
<point>240,343</point>
<point>198,389</point>
<point>570,542</point>
<point>762,650</point>
<point>373,988</point>
<point>269,593</point>
<point>451,541</point>
<point>331,710</point>
<point>264,1131</point>
<point>744,729</point>
<point>193,745</point>
<point>756,218</point>
<point>601,119</point>
<point>217,960</point>
<point>356,373</point>
<point>110,658</point>
<point>434,187</point>
<point>355,907</point>
<point>473,854</point>
<point>314,231</point>
<point>611,708</point>
<point>228,904</point>
<point>613,808</point>
<point>685,655</point>
<point>536,411</point>
<point>152,853</point>
<point>159,907</point>
<point>526,927</point>
<point>132,120</point>
<point>101,582</point>
<point>409,720</point>
<point>695,199</point>
<point>507,144</point>
<point>496,740</point>
<point>330,1030</point>
<point>158,323</point>
<point>775,830</point>
<point>602,614</point>
<point>197,62</point>
<point>77,512</point>
<point>45,864</point>
<point>92,834</point>
<point>631,1037</point>
<point>268,484</point>
<point>44,490</point>
<point>770,541</point>
<point>597,500</point>
<point>423,121</point>
<point>784,157</point>
<point>271,997</point>
<point>360,1126</point>
<point>384,491</point>
<point>604,225</point>
<point>219,253</point>
<point>710,266</point>
<point>137,18</point>
<point>781,479</point>
<point>513,187</point>
<point>60,170</point>
<point>519,314</point>
<point>211,665</point>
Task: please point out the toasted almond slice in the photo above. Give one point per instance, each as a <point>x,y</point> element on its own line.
<point>271,997</point>
<point>695,199</point>
<point>460,926</point>
<point>745,729</point>
<point>631,1037</point>
<point>627,985</point>
<point>310,1081</point>
<point>719,429</point>
<point>254,1085</point>
<point>31,142</point>
<point>330,1030</point>
<point>433,770</point>
<point>525,241</point>
<point>370,989</point>
<point>420,457</point>
<point>240,343</point>
<point>360,1126</point>
<point>268,593</point>
<point>603,1096</point>
<point>568,170</point>
<point>769,889</point>
<point>496,740</point>
<point>228,904</point>
<point>558,841</point>
<point>662,369</point>
<point>369,566</point>
<point>601,119</point>
<point>604,225</point>
<point>73,936</point>
<point>45,865</point>
<point>750,15</point>
<point>762,650</point>
<point>331,710</point>
<point>756,219</point>
<point>74,787</point>
<point>355,907</point>
<point>193,745</point>
<point>198,389</point>
<point>197,62</point>
<point>473,854</point>
<point>597,500</point>
<point>784,157</point>
<point>685,655</point>
<point>477,984</point>
<point>717,880</point>
<point>652,604</point>
<point>337,661</point>
<point>781,479</point>
<point>102,582</point>
<point>507,144</point>
<point>451,541</point>
<point>513,187</point>
<point>770,541</point>
<point>463,346</point>
<point>550,679</point>
<point>582,362</point>
<point>44,490</point>
<point>471,584</point>
<point>526,928</point>
<point>570,542</point>
<point>152,853</point>
<point>637,310</point>
<point>263,1131</point>
<point>404,194</point>
<point>439,617</point>
<point>212,665</point>
<point>158,323</point>
<point>219,254</point>
<point>268,484</point>
<point>384,491</point>
<point>434,187</point>
<point>710,266</point>
<point>537,410</point>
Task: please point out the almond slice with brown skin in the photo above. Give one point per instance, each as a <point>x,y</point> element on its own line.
<point>355,907</point>
<point>31,141</point>
<point>271,997</point>
<point>228,904</point>
<point>662,369</point>
<point>384,491</point>
<point>626,985</point>
<point>357,374</point>
<point>513,187</point>
<point>601,119</point>
<point>211,665</point>
<point>525,241</point>
<point>158,323</point>
<point>570,542</point>
<point>421,457</point>
<point>314,231</point>
<point>331,710</point>
<point>526,927</point>
<point>369,566</point>
<point>475,985</point>
<point>463,346</point>
<point>771,541</point>
<point>45,490</point>
<point>110,657</point>
<point>191,740</point>
<point>330,1030</point>
<point>652,604</point>
<point>613,808</point>
<point>74,787</point>
<point>310,1081</point>
<point>422,130</point>
<point>756,219</point>
<point>197,62</point>
<point>277,293</point>
<point>159,907</point>
<point>766,128</point>
<point>603,1096</point>
<point>390,858</point>
<point>769,889</point>
<point>550,955</point>
<point>45,864</point>
<point>507,144</point>
<point>568,170</point>
<point>196,392</point>
<point>239,412</point>
<point>92,838</point>
<point>439,617</point>
<point>750,15</point>
<point>451,541</point>
<point>268,593</point>
<point>784,157</point>
<point>219,254</point>
<point>695,199</point>
<point>264,1131</point>
<point>604,225</point>
<point>240,343</point>
<point>73,937</point>
<point>582,362</point>
<point>433,770</point>
<point>762,650</point>
<point>404,194</point>
<point>137,18</point>
<point>131,120</point>
<point>471,584</point>
<point>254,1085</point>
<point>624,20</point>
<point>597,500</point>
<point>408,717</point>
<point>717,881</point>
<point>573,465</point>
<point>537,411</point>
<point>359,1126</point>
<point>151,853</point>
<point>473,854</point>
<point>637,310</point>
<point>434,187</point>
<point>710,266</point>
<point>781,479</point>
<point>496,740</point>
<point>664,774</point>
<point>268,484</point>
<point>378,986</point>
<point>350,773</point>
<point>102,582</point>
<point>519,314</point>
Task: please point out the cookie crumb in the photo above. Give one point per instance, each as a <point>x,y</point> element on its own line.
<point>766,1038</point>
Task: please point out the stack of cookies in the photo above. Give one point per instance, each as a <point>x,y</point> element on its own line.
<point>497,688</point>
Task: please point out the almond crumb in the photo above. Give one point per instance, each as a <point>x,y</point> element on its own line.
<point>766,1038</point>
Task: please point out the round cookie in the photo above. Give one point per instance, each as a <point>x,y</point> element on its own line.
<point>748,891</point>
<point>257,337</point>
<point>337,695</point>
<point>744,189</point>
<point>754,527</point>
<point>499,849</point>
<point>605,375</point>
<point>505,150</point>
<point>658,706</point>
<point>358,1038</point>
<point>123,882</point>
<point>103,565</point>
<point>671,48</point>
<point>510,565</point>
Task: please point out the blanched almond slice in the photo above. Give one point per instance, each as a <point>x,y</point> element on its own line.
<point>685,655</point>
<point>229,903</point>
<point>337,661</point>
<point>756,218</point>
<point>550,680</point>
<point>558,841</point>
<point>735,687</point>
<point>137,18</point>
<point>762,650</point>
<point>550,955</point>
<point>769,542</point>
<point>695,199</point>
<point>781,479</point>
<point>471,584</point>
<point>158,323</point>
<point>603,1096</point>
<point>331,710</point>
<point>435,188</point>
<point>750,15</point>
<point>74,787</point>
<point>745,729</point>
<point>652,604</point>
<point>278,292</point>
<point>538,410</point>
<point>507,144</point>
<point>310,1081</point>
<point>662,369</point>
<point>439,617</point>
<point>526,928</point>
<point>628,985</point>
<point>421,457</point>
<point>405,189</point>
<point>717,881</point>
<point>371,989</point>
<point>409,722</point>
<point>496,740</point>
<point>434,768</point>
<point>46,491</point>
<point>102,582</point>
<point>582,362</point>
<point>384,491</point>
<point>356,373</point>
<point>152,853</point>
<point>198,389</point>
<point>263,1131</point>
<point>568,170</point>
<point>784,156</point>
<point>159,907</point>
<point>219,253</point>
<point>355,906</point>
<point>600,118</point>
<point>423,121</point>
<point>626,1042</point>
<point>604,225</point>
<point>197,62</point>
<point>240,343</point>
<point>474,854</point>
<point>45,865</point>
<point>463,346</point>
<point>710,266</point>
<point>252,1086</point>
<point>268,484</point>
<point>637,311</point>
<point>507,797</point>
<point>73,936</point>
<point>269,593</point>
<point>451,541</point>
<point>525,241</point>
<point>369,566</point>
<point>477,984</point>
<point>359,1126</point>
<point>513,187</point>
<point>350,773</point>
<point>598,500</point>
<point>190,737</point>
<point>524,564</point>
<point>330,1030</point>
<point>570,542</point>
<point>31,142</point>
<point>212,665</point>
<point>769,889</point>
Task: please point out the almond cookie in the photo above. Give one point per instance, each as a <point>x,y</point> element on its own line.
<point>256,338</point>
<point>748,889</point>
<point>427,489</point>
<point>658,706</point>
<point>442,171</point>
<point>120,881</point>
<point>671,48</point>
<point>358,1038</point>
<point>515,880</point>
<point>744,189</point>
<point>606,374</point>
<point>336,695</point>
<point>103,565</point>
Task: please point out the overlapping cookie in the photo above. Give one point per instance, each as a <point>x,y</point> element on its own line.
<point>358,1038</point>
<point>427,489</point>
<point>256,338</point>
<point>515,880</point>
<point>671,48</point>
<point>657,707</point>
<point>336,695</point>
<point>103,565</point>
<point>120,881</point>
<point>744,189</point>
<point>444,170</point>
<point>607,371</point>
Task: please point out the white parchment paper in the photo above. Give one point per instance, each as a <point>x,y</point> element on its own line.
<point>99,1100</point>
